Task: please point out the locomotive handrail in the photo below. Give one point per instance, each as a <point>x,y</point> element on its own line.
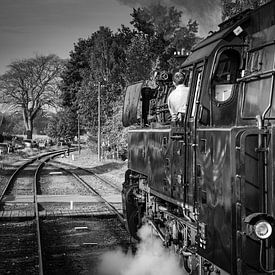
<point>256,75</point>
<point>270,99</point>
<point>271,92</point>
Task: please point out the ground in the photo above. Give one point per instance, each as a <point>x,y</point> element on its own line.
<point>68,250</point>
<point>110,169</point>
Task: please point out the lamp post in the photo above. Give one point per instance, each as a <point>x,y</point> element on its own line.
<point>99,124</point>
<point>78,132</point>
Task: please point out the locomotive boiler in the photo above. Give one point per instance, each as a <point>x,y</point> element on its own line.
<point>207,184</point>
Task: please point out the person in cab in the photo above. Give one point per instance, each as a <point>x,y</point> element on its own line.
<point>177,100</point>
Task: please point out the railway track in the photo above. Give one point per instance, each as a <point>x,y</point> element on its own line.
<point>41,224</point>
<point>20,240</point>
<point>100,187</point>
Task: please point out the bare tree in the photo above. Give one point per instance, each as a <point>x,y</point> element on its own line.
<point>31,85</point>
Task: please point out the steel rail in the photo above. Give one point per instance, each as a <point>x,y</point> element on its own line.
<point>109,205</point>
<point>48,156</point>
<point>100,178</point>
<point>28,162</point>
<point>36,204</point>
<point>36,207</point>
<point>92,173</point>
<point>36,211</point>
<point>13,176</point>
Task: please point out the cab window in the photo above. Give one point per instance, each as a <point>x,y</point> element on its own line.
<point>259,82</point>
<point>225,75</point>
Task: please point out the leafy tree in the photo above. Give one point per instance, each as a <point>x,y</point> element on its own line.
<point>233,7</point>
<point>87,103</point>
<point>161,26</point>
<point>74,72</point>
<point>41,121</point>
<point>185,37</point>
<point>31,85</point>
<point>62,125</point>
<point>156,19</point>
<point>99,58</point>
<point>12,124</point>
<point>139,59</point>
<point>52,128</point>
<point>101,54</point>
<point>123,38</point>
<point>117,59</point>
<point>114,135</point>
<point>107,67</point>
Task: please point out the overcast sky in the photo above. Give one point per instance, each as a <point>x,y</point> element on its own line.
<point>29,27</point>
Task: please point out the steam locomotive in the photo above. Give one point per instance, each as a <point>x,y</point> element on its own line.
<point>206,185</point>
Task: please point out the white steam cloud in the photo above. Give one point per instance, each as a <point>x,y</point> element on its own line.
<point>151,258</point>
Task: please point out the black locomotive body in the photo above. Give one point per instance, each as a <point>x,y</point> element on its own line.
<point>207,184</point>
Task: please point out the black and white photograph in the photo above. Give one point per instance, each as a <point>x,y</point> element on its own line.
<point>137,137</point>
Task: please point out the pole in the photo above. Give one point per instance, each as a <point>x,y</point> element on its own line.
<point>78,132</point>
<point>99,124</point>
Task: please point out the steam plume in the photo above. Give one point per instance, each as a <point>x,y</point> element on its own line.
<point>151,259</point>
<point>206,12</point>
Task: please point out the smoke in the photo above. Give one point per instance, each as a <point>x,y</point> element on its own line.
<point>151,258</point>
<point>206,12</point>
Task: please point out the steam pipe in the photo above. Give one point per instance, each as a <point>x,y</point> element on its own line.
<point>151,223</point>
<point>175,217</point>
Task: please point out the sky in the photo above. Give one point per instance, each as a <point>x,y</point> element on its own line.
<point>30,27</point>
